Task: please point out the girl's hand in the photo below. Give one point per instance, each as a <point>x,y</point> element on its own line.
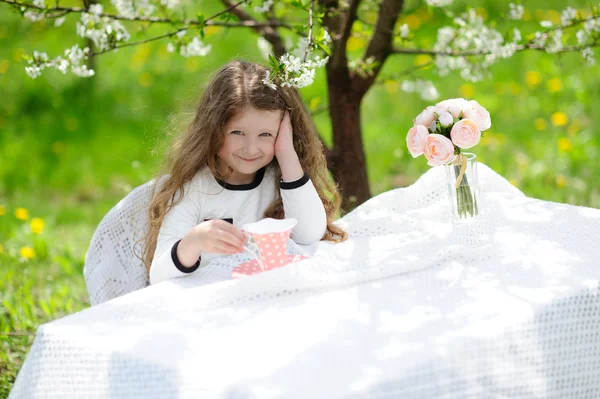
<point>219,236</point>
<point>284,143</point>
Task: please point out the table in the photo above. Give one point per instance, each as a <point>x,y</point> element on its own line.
<point>410,307</point>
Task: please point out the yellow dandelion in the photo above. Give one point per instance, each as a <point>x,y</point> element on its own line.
<point>533,78</point>
<point>314,103</point>
<point>37,225</point>
<point>554,85</point>
<point>2,210</point>
<point>540,124</point>
<point>27,252</point>
<point>527,15</point>
<point>467,90</point>
<point>21,213</point>
<point>422,59</point>
<point>560,119</point>
<point>553,16</point>
<point>391,86</point>
<point>413,21</point>
<point>560,180</point>
<point>565,144</point>
<point>354,43</point>
<point>211,30</point>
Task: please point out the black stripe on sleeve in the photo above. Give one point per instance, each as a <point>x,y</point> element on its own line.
<point>294,184</point>
<point>178,264</point>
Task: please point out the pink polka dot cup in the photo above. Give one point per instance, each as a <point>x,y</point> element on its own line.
<point>267,241</point>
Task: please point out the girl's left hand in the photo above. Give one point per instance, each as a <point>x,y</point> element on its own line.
<point>284,143</point>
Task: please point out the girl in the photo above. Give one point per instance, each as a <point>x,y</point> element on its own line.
<point>250,152</point>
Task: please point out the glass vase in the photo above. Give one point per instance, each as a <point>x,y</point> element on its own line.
<point>463,187</point>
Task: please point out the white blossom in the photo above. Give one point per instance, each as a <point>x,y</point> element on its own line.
<point>59,21</point>
<point>516,11</point>
<point>131,8</point>
<point>75,58</point>
<point>581,36</point>
<point>326,37</point>
<point>300,48</point>
<point>298,73</point>
<point>33,71</point>
<point>170,4</point>
<point>103,31</point>
<point>568,15</point>
<point>266,5</point>
<point>96,9</point>
<point>170,48</point>
<point>424,88</point>
<point>195,48</point>
<point>555,44</point>
<point>517,35</point>
<point>264,47</point>
<point>267,82</point>
<point>404,31</point>
<point>438,3</point>
<point>588,56</point>
<point>591,25</point>
<point>546,24</point>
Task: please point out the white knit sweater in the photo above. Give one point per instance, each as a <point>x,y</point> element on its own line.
<point>206,198</point>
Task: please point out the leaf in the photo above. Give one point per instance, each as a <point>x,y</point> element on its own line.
<point>325,48</point>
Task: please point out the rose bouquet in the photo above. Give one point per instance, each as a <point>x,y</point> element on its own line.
<point>441,132</point>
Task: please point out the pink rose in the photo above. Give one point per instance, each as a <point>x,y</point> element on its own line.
<point>415,139</point>
<point>426,117</point>
<point>465,133</point>
<point>480,115</point>
<point>439,150</point>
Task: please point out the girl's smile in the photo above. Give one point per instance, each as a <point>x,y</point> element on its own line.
<point>249,143</point>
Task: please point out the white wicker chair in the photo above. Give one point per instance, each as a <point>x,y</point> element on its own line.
<point>111,267</point>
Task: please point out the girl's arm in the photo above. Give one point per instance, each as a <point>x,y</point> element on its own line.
<point>176,251</point>
<point>182,240</point>
<point>301,201</point>
<point>300,198</point>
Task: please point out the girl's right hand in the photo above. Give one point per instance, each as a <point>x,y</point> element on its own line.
<point>219,236</point>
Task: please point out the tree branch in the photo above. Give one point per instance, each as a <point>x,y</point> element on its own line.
<point>340,57</point>
<point>208,22</point>
<point>138,42</point>
<point>523,47</point>
<point>380,46</point>
<point>310,29</point>
<point>267,29</point>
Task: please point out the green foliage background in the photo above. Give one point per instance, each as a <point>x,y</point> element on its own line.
<point>70,148</point>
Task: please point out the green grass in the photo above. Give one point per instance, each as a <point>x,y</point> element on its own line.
<point>71,148</point>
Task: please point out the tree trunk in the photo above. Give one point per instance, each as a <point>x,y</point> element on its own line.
<point>348,163</point>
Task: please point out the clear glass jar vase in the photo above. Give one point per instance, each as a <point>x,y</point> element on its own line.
<point>463,187</point>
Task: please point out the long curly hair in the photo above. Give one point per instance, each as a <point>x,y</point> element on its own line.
<point>234,87</point>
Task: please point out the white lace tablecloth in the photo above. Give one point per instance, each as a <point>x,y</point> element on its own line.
<point>410,307</point>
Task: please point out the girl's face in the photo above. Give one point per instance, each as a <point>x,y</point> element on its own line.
<point>249,143</point>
